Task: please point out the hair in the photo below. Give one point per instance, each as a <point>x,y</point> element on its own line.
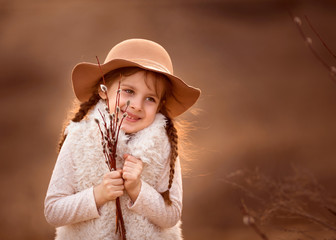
<point>83,109</point>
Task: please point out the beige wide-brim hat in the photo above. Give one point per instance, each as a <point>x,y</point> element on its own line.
<point>136,53</point>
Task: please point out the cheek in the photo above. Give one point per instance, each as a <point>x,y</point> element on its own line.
<point>112,100</point>
<point>152,111</point>
<point>122,102</point>
<point>112,94</point>
<point>124,97</point>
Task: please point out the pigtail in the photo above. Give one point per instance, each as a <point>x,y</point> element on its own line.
<point>173,140</point>
<point>80,114</point>
<point>85,107</point>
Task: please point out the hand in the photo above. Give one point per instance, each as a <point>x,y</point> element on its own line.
<point>109,189</point>
<point>131,174</point>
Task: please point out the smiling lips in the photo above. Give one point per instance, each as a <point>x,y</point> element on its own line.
<point>131,117</point>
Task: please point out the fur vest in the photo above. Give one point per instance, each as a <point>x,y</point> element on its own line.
<point>151,145</point>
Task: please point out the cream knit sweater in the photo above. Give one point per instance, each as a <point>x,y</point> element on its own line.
<point>70,203</point>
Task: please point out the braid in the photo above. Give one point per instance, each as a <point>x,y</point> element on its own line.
<point>81,113</point>
<point>85,107</point>
<point>173,140</point>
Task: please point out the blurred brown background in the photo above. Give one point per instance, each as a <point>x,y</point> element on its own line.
<point>266,101</point>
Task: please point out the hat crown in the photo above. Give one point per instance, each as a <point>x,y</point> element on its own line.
<point>148,52</point>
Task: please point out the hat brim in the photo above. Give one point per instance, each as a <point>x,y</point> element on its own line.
<point>86,75</point>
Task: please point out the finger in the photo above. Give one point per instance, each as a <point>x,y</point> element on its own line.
<point>113,188</point>
<point>113,181</point>
<point>117,182</point>
<point>113,174</point>
<point>131,170</point>
<point>119,193</point>
<point>125,176</point>
<point>131,158</point>
<point>130,165</point>
<point>133,165</point>
<point>129,176</point>
<point>115,194</point>
<point>109,175</point>
<point>116,188</point>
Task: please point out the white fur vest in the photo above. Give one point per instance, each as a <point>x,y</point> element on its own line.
<point>151,145</point>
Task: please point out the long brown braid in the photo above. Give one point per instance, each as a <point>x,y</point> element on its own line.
<point>81,113</point>
<point>171,133</point>
<point>173,140</point>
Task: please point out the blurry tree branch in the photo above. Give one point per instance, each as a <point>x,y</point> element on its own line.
<point>294,198</point>
<point>249,220</point>
<point>309,43</point>
<point>319,36</point>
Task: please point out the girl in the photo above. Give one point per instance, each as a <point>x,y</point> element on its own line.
<point>80,199</point>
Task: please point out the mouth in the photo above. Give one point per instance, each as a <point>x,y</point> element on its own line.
<point>131,117</point>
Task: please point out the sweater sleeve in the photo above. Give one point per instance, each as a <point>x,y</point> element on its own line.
<point>151,204</point>
<point>62,204</point>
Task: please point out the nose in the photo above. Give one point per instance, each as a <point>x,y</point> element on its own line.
<point>136,104</point>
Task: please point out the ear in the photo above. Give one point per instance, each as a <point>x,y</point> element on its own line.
<point>101,93</point>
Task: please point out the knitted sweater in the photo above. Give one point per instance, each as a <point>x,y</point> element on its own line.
<point>70,203</point>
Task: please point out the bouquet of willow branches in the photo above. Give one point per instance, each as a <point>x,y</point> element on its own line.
<point>109,131</point>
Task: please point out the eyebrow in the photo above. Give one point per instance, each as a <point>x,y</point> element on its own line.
<point>126,85</point>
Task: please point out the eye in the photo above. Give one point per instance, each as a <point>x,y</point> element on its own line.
<point>129,91</point>
<point>150,99</point>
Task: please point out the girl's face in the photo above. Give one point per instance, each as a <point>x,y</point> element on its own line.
<point>144,97</point>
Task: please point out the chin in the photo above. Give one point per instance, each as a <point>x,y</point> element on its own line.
<point>133,128</point>
<point>129,130</point>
